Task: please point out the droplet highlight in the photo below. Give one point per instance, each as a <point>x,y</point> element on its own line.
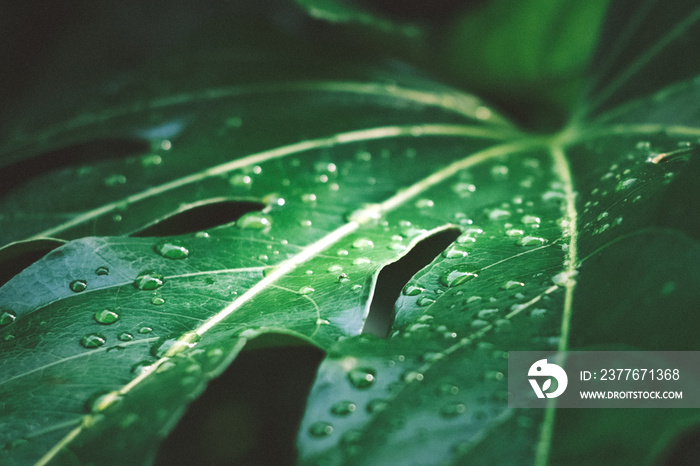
<point>172,249</point>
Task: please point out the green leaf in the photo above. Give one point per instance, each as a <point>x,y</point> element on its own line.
<point>210,218</point>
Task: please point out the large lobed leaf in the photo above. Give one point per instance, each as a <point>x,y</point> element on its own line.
<point>565,241</point>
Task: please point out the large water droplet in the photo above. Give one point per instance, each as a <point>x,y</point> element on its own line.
<point>320,429</point>
<point>343,408</point>
<point>172,249</point>
<point>92,341</point>
<point>101,271</point>
<point>458,275</point>
<point>149,280</point>
<point>7,317</point>
<point>78,285</point>
<point>254,221</point>
<point>362,377</point>
<point>106,316</point>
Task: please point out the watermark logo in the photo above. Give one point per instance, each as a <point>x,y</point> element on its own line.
<point>542,369</point>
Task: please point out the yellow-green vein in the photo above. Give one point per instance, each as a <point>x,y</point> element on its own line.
<point>563,171</point>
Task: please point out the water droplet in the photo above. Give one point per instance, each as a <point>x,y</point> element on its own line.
<point>396,246</point>
<point>157,301</point>
<point>564,278</point>
<point>320,429</point>
<point>240,179</point>
<point>498,214</point>
<point>531,220</point>
<point>104,400</point>
<point>458,275</point>
<point>514,232</point>
<point>412,376</point>
<point>538,313</point>
<point>530,241</point>
<point>362,377</point>
<point>92,340</point>
<point>466,240</point>
<point>142,367</point>
<point>306,290</point>
<point>342,252</point>
<point>343,277</point>
<point>463,189</point>
<point>125,336</point>
<point>412,290</point>
<point>78,285</point>
<point>335,268</point>
<point>168,347</point>
<point>625,184</point>
<point>479,323</point>
<point>145,330</point>
<point>106,316</point>
<point>172,249</point>
<point>454,252</point>
<point>424,203</point>
<point>487,314</point>
<point>362,243</point>
<point>451,410</point>
<point>115,180</point>
<point>309,198</point>
<point>447,389</point>
<point>234,122</point>
<point>101,271</point>
<point>377,405</point>
<point>343,408</point>
<point>510,284</point>
<point>305,223</point>
<point>425,301</point>
<point>149,280</point>
<point>7,317</point>
<point>356,288</point>
<point>254,221</point>
<point>361,261</point>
